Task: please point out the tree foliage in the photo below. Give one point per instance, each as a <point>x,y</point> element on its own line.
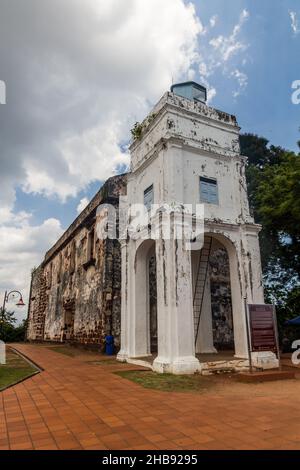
<point>273,179</point>
<point>9,332</point>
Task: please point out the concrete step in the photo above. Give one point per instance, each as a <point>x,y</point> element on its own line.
<point>230,365</point>
<point>266,375</point>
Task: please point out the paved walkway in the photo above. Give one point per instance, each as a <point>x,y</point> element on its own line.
<point>76,405</point>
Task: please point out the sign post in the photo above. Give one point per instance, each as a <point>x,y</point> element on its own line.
<point>248,335</point>
<point>262,332</point>
<point>277,338</point>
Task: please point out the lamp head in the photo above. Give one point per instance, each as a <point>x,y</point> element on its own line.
<point>20,303</point>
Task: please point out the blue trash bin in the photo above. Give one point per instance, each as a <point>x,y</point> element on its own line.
<point>109,345</point>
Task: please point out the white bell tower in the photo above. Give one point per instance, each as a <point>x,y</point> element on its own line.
<point>186,152</point>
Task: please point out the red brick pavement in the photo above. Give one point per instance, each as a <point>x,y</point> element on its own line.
<point>75,405</point>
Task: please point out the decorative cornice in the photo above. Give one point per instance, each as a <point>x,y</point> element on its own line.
<point>165,105</point>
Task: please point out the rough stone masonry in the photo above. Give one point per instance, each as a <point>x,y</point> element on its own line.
<point>76,291</point>
<point>173,304</point>
<point>75,294</point>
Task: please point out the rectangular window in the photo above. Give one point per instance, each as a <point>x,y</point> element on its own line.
<point>59,268</point>
<point>72,257</point>
<point>90,246</point>
<point>49,277</point>
<point>148,197</point>
<point>209,190</point>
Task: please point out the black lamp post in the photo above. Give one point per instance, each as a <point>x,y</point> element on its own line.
<point>20,303</point>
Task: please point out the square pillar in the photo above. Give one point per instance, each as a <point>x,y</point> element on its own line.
<point>255,291</point>
<point>123,353</point>
<point>176,350</point>
<point>237,284</point>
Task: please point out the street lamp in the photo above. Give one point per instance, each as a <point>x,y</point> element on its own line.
<point>20,303</point>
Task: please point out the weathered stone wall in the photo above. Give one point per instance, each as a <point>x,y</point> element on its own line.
<point>80,281</point>
<point>221,300</point>
<point>37,306</point>
<point>113,290</point>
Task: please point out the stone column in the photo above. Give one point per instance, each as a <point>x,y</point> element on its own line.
<point>176,351</point>
<point>255,291</point>
<point>123,353</point>
<point>237,284</point>
<point>2,353</point>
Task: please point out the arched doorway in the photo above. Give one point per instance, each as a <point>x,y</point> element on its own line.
<point>212,300</point>
<point>174,330</point>
<point>145,299</point>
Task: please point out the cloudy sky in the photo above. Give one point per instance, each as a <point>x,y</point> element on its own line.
<point>78,74</point>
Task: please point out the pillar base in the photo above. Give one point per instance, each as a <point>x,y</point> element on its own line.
<point>265,360</point>
<point>242,355</point>
<point>122,356</point>
<point>212,350</point>
<point>178,366</point>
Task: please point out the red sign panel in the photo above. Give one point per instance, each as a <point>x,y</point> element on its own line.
<point>262,327</point>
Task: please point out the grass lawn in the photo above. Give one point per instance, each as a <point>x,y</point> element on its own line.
<point>169,382</point>
<point>87,356</point>
<point>15,370</point>
<point>66,350</point>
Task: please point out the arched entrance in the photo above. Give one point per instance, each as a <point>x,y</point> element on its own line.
<point>212,294</point>
<point>145,299</point>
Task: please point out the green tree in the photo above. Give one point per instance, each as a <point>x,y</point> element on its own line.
<point>273,178</point>
<point>7,317</point>
<point>10,333</point>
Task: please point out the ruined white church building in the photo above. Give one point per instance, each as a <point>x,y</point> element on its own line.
<point>166,303</point>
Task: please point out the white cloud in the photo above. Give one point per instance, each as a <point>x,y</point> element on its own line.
<point>78,75</point>
<point>211,94</point>
<point>204,70</point>
<point>221,56</point>
<point>21,246</point>
<point>228,46</point>
<point>213,21</point>
<point>82,204</point>
<point>242,80</point>
<point>77,79</point>
<point>294,22</point>
<point>83,86</point>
